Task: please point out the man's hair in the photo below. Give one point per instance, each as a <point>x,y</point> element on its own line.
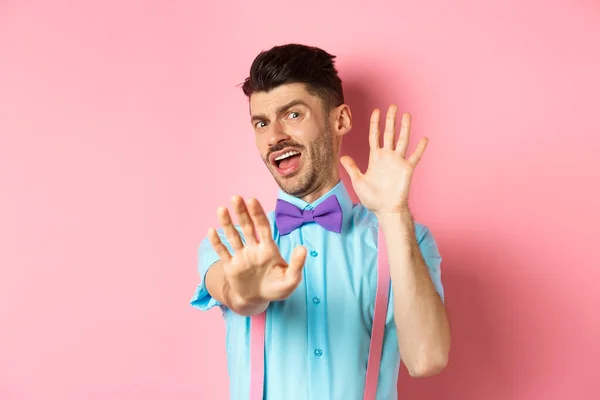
<point>296,63</point>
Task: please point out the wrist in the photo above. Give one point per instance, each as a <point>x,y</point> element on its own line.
<point>396,223</point>
<point>401,215</point>
<point>243,304</point>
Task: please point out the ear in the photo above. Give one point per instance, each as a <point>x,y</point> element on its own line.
<point>342,120</point>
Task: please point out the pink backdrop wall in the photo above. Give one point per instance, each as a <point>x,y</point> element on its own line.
<point>118,118</point>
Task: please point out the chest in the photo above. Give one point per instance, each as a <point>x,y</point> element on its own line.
<point>339,279</point>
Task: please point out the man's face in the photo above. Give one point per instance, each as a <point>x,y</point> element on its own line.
<point>294,138</point>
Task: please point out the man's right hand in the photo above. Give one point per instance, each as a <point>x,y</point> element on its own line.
<point>255,274</point>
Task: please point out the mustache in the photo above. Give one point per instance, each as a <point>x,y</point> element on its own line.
<point>281,146</point>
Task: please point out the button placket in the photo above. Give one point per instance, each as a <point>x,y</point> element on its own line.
<point>316,300</point>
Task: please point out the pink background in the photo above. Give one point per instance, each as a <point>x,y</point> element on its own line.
<point>122,129</point>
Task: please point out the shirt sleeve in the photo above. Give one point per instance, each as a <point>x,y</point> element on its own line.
<point>206,258</point>
<point>432,257</point>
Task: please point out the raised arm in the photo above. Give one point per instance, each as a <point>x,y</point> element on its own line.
<point>421,320</point>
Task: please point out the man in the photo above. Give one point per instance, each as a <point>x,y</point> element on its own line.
<point>315,278</point>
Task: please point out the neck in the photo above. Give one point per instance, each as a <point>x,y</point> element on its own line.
<point>321,189</point>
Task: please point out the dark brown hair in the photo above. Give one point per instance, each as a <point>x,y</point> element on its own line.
<point>296,63</point>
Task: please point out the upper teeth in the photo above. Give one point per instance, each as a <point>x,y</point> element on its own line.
<point>286,155</point>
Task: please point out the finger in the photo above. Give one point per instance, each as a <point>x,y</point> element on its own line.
<point>418,153</point>
<point>404,135</point>
<point>245,221</point>
<point>262,224</point>
<point>351,168</point>
<point>297,263</point>
<point>374,130</point>
<point>218,246</point>
<point>232,234</point>
<point>390,127</point>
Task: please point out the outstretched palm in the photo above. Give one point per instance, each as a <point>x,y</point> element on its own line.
<point>256,272</point>
<point>385,186</point>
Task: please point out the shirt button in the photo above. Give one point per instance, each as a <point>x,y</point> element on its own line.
<point>313,253</point>
<point>316,300</point>
<point>318,352</point>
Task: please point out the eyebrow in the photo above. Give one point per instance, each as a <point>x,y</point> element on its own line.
<point>263,117</point>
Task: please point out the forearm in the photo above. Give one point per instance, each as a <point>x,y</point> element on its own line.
<point>218,287</point>
<point>421,321</point>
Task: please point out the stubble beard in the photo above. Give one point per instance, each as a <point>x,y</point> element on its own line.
<point>317,165</point>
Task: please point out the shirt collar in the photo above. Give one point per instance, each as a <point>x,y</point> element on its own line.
<point>338,190</point>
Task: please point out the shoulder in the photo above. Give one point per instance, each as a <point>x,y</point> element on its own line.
<point>422,231</point>
<point>363,216</point>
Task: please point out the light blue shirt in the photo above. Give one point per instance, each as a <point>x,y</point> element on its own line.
<point>317,340</point>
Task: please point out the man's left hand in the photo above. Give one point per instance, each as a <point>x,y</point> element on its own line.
<point>384,187</point>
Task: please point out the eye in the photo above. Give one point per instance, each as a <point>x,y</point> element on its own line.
<point>294,115</point>
<point>260,124</point>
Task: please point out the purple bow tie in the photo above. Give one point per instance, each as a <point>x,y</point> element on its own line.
<point>328,214</point>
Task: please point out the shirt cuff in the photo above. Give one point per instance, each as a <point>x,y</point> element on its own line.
<point>202,299</point>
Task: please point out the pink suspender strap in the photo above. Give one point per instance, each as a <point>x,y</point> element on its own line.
<point>381,303</point>
<point>257,355</point>
<point>257,334</point>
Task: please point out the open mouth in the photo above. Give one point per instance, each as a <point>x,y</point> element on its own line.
<point>288,162</point>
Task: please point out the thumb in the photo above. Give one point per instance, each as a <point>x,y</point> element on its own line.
<point>351,168</point>
<point>297,261</point>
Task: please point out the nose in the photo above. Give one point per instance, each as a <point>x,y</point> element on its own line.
<point>277,134</point>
